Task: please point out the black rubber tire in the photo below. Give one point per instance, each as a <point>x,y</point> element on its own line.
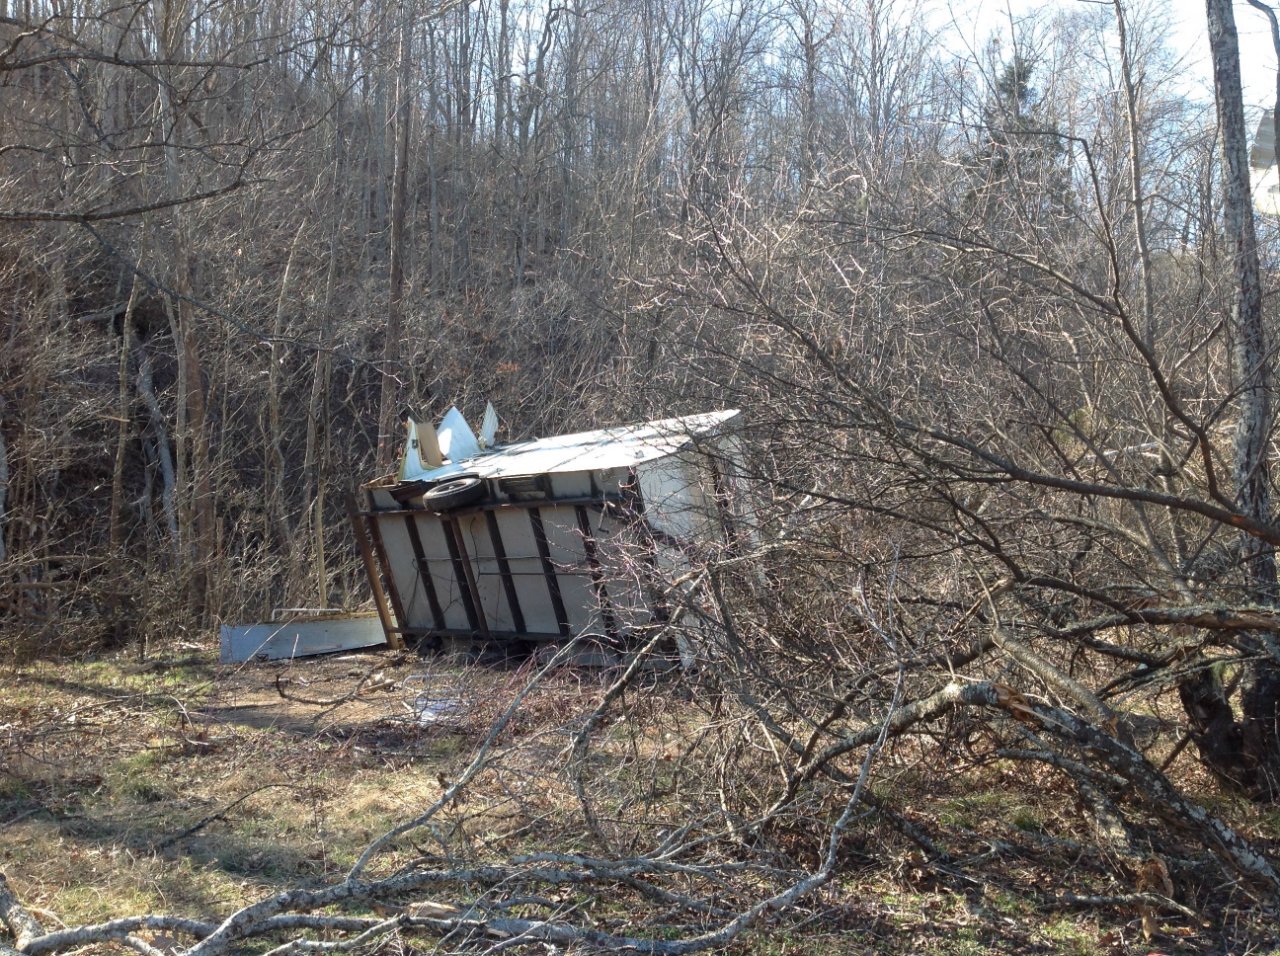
<point>454,493</point>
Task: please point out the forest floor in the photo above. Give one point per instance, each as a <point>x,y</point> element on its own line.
<point>189,787</point>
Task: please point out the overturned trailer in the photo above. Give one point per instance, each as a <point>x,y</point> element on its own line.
<point>544,540</point>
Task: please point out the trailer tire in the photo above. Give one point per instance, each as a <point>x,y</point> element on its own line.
<point>406,491</point>
<point>454,493</point>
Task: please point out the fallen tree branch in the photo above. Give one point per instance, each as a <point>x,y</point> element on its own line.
<point>1130,899</point>
<point>1051,675</point>
<point>1210,617</point>
<point>21,923</point>
<point>116,929</point>
<point>1236,852</point>
<point>373,673</point>
<point>953,695</point>
<point>477,763</point>
<point>312,946</point>
<point>1065,764</point>
<point>896,820</point>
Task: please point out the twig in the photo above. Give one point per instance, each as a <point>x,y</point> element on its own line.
<point>581,739</point>
<point>312,946</point>
<point>169,841</point>
<point>333,701</point>
<point>467,775</point>
<point>1130,899</point>
<point>142,946</point>
<point>1177,749</point>
<point>29,813</point>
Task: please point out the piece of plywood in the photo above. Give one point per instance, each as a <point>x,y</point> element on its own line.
<point>281,641</point>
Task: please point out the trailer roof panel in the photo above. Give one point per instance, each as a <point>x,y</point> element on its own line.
<point>622,447</point>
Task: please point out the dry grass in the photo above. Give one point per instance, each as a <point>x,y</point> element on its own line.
<point>105,767</point>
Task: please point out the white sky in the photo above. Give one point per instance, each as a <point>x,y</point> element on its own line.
<point>977,18</point>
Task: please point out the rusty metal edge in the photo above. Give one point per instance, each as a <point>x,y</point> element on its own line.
<point>375,583</point>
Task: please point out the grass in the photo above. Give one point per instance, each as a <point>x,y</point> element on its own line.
<point>116,763</point>
<point>107,767</point>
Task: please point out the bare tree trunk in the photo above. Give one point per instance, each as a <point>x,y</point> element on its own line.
<point>203,542</point>
<point>122,408</point>
<point>399,193</point>
<point>433,169</point>
<point>1258,770</point>
<point>1249,348</point>
<point>276,498</point>
<point>1139,200</point>
<point>4,480</point>
<point>313,465</point>
<point>168,487</point>
<point>810,44</point>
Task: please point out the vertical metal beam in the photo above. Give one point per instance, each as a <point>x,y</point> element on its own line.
<point>462,573</point>
<point>597,572</point>
<point>393,592</point>
<point>370,569</point>
<point>549,571</point>
<point>504,568</point>
<point>649,547</point>
<point>424,573</point>
<point>471,579</point>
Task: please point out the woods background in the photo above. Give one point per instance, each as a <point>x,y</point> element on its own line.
<point>236,233</point>
<point>1002,323</point>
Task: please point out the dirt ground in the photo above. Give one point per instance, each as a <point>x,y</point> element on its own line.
<point>188,784</point>
<point>189,787</point>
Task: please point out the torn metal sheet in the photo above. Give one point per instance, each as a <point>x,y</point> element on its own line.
<point>608,448</point>
<point>1264,173</point>
<point>457,441</point>
<point>283,640</point>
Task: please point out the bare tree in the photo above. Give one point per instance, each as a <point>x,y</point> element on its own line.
<point>1259,764</point>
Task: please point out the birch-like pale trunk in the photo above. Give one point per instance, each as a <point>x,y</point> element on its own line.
<point>1256,763</point>
<point>168,480</point>
<point>123,403</point>
<point>276,503</point>
<point>1250,365</point>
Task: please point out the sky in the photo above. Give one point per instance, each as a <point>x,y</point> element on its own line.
<point>977,18</point>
